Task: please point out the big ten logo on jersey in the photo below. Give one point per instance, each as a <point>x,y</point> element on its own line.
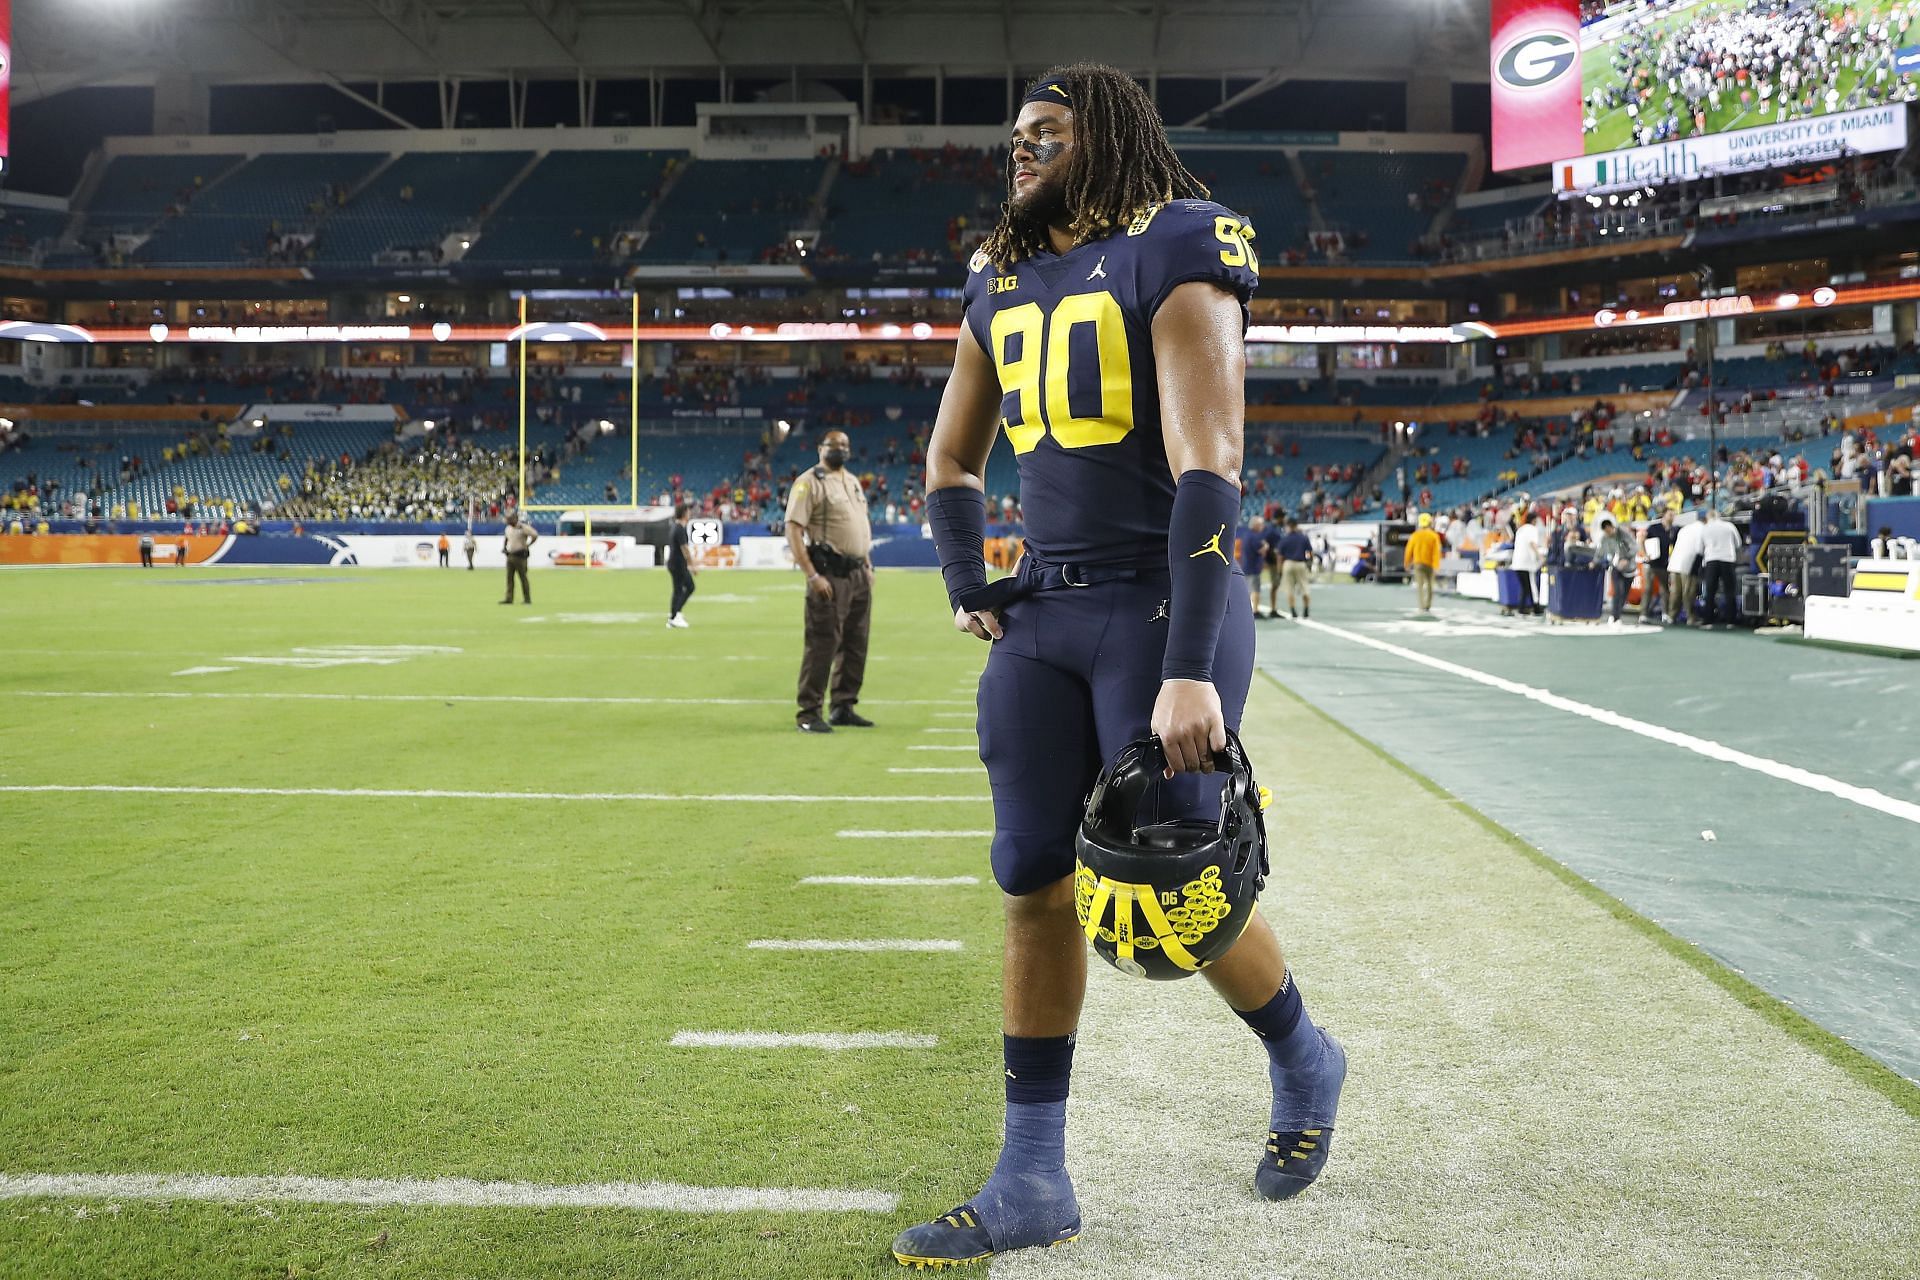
<point>1238,237</point>
<point>1003,284</point>
<point>1044,390</point>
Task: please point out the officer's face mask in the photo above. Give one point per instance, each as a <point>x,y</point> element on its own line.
<point>834,458</point>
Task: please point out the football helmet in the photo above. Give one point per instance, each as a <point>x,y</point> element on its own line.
<point>1166,899</point>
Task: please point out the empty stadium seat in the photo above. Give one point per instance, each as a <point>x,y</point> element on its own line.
<point>1367,191</point>
<point>733,210</point>
<point>570,200</point>
<point>416,202</point>
<point>233,221</point>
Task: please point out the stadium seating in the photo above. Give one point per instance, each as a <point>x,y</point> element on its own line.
<point>416,202</point>
<point>136,190</point>
<point>569,201</point>
<point>1259,184</point>
<point>23,231</point>
<point>1275,449</point>
<point>1469,222</point>
<point>1573,472</point>
<point>1367,191</point>
<point>268,194</point>
<point>897,205</point>
<point>76,455</point>
<point>732,211</point>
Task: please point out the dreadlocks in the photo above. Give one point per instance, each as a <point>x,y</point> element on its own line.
<point>1122,162</point>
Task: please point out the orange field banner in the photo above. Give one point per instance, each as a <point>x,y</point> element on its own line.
<point>103,548</point>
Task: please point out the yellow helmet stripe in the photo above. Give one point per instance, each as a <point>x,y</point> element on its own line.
<point>1123,920</point>
<point>1098,909</point>
<point>1163,930</point>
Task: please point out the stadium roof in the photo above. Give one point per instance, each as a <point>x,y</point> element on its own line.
<point>62,44</point>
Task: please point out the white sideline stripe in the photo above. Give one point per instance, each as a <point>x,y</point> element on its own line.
<point>924,746</point>
<point>1866,797</point>
<point>889,881</point>
<point>802,1040</point>
<point>945,729</point>
<point>385,793</point>
<point>853,944</point>
<point>955,715</point>
<point>914,835</point>
<point>460,1193</point>
<point>556,699</point>
<point>923,769</point>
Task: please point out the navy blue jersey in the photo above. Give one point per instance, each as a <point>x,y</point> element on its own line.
<point>1071,336</point>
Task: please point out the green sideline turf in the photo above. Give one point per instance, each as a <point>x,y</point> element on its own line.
<point>417,988</point>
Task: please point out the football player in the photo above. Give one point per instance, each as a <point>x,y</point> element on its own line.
<point>1105,318</point>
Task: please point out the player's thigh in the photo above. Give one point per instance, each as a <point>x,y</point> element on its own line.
<point>1037,741</point>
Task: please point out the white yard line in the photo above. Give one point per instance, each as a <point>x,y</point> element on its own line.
<point>854,944</point>
<point>930,769</point>
<point>1865,797</point>
<point>555,699</point>
<point>943,729</point>
<point>395,793</point>
<point>925,746</point>
<point>956,715</point>
<point>802,1040</point>
<point>858,834</point>
<point>458,1193</point>
<point>893,881</point>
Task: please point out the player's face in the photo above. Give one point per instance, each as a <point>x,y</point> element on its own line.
<point>1042,150</point>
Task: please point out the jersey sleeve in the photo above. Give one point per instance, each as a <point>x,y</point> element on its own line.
<point>975,312</point>
<point>1194,240</point>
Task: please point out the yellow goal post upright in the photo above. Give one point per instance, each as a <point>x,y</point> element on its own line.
<point>633,506</point>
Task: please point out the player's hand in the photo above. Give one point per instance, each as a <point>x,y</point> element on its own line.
<point>1189,724</point>
<point>984,623</point>
<point>819,585</point>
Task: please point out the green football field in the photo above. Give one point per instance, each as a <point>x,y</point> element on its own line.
<point>355,886</point>
<point>1614,130</point>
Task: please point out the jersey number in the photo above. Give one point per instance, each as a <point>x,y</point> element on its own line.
<point>1238,237</point>
<point>1043,369</point>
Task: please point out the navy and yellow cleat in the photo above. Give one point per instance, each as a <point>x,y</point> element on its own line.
<point>1294,1157</point>
<point>960,1238</point>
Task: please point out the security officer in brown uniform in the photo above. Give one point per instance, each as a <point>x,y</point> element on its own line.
<point>829,532</point>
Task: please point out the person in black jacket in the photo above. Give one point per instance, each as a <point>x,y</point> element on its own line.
<point>679,566</point>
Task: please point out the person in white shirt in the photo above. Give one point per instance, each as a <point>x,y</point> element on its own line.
<point>1529,553</point>
<point>1719,551</point>
<point>1683,571</point>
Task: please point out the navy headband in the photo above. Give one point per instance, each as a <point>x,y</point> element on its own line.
<point>1054,91</point>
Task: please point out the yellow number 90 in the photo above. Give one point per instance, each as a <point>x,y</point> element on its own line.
<point>1238,237</point>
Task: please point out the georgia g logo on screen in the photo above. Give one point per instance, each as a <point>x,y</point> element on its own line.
<point>1536,59</point>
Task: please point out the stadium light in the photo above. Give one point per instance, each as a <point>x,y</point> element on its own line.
<point>428,424</point>
<point>466,244</point>
<point>606,427</point>
<point>404,297</point>
<point>259,422</point>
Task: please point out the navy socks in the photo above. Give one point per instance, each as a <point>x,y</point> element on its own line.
<point>1029,1198</point>
<point>1292,1042</point>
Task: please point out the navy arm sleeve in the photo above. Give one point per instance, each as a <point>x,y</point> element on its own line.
<point>1206,507</point>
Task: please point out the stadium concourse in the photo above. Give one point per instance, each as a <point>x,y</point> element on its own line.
<point>356,925</point>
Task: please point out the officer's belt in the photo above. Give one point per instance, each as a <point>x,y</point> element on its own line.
<point>1041,575</point>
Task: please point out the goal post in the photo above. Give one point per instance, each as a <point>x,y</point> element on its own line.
<point>611,512</point>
